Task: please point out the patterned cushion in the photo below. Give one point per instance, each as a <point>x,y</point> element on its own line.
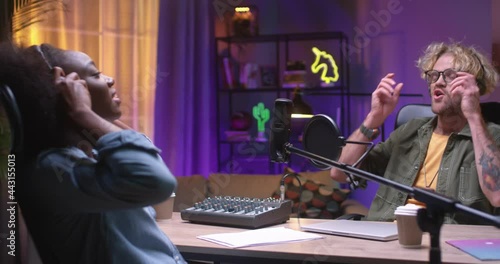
<point>321,197</point>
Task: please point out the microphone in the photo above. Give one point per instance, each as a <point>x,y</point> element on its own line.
<point>280,130</point>
<point>322,137</point>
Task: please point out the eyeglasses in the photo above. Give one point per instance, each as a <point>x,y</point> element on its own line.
<point>432,76</point>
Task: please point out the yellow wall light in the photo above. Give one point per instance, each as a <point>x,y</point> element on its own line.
<point>242,9</point>
<point>316,67</point>
<point>302,116</point>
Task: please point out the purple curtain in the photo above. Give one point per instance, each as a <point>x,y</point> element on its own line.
<point>185,102</point>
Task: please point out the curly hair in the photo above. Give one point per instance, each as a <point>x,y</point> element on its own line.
<point>41,106</point>
<point>466,59</point>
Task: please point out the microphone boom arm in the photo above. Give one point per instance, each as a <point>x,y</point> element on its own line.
<point>420,194</point>
<point>354,183</point>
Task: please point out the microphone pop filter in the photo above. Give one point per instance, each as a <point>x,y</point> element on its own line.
<point>322,137</point>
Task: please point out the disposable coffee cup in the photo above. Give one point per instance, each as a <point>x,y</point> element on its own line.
<point>409,233</point>
<point>165,209</point>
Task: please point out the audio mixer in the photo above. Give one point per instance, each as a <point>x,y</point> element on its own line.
<point>239,211</point>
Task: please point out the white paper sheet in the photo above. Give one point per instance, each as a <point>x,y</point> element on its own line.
<point>258,237</point>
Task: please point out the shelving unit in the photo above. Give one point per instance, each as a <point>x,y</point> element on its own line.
<point>280,49</point>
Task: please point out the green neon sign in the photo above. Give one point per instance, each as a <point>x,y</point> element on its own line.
<point>261,113</point>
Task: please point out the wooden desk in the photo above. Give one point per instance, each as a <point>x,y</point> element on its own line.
<point>331,249</point>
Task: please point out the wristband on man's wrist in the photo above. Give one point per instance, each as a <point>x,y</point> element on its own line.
<point>370,133</point>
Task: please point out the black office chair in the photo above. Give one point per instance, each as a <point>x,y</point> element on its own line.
<point>411,111</point>
<point>8,101</point>
<point>491,112</point>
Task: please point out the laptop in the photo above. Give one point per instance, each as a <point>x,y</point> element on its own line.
<point>381,231</point>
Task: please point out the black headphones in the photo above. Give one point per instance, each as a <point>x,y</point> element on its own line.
<point>9,103</point>
<point>479,80</point>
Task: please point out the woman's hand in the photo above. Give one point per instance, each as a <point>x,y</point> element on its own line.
<point>77,97</point>
<point>74,91</point>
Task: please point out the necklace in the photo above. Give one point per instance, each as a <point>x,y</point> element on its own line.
<point>432,180</point>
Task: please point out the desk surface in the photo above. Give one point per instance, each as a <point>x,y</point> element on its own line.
<point>332,249</point>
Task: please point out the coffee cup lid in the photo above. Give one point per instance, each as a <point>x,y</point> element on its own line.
<point>408,209</point>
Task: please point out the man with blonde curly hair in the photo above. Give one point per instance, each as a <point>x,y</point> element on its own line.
<point>455,153</point>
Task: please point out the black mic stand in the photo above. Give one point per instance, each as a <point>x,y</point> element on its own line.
<point>429,219</point>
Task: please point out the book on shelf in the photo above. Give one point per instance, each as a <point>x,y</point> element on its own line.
<point>227,73</point>
<point>232,135</point>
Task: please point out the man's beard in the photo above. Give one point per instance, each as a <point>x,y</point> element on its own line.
<point>448,107</point>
